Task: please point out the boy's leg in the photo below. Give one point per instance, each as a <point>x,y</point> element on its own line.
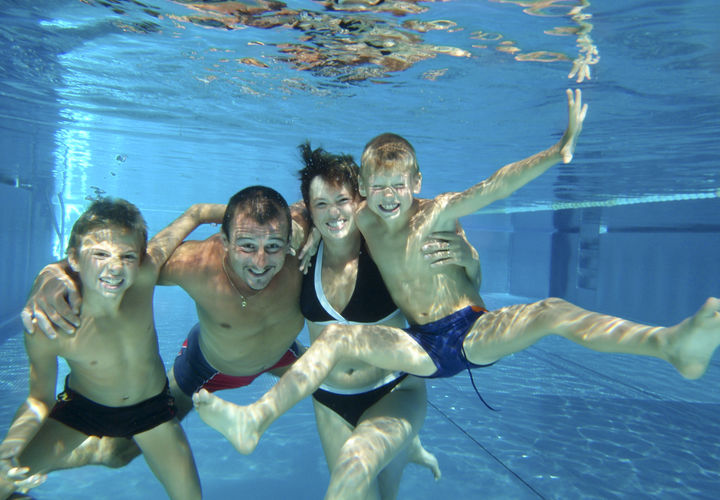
<point>382,346</point>
<point>50,448</point>
<point>167,453</point>
<point>688,345</point>
<point>378,449</point>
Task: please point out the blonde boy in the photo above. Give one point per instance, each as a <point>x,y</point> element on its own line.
<point>450,330</point>
<point>117,385</point>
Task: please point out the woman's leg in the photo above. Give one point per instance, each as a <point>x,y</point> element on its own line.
<point>382,346</point>
<point>370,462</point>
<point>688,345</point>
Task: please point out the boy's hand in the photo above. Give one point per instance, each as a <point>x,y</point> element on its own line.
<point>576,112</point>
<point>18,478</point>
<point>53,305</point>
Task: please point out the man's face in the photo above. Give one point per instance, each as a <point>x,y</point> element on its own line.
<point>390,194</point>
<point>256,252</point>
<point>108,261</point>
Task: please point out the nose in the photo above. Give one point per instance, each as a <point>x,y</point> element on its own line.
<point>115,265</point>
<point>260,259</point>
<point>334,210</point>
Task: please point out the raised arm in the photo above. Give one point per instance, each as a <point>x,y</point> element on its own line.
<point>164,243</point>
<point>513,176</point>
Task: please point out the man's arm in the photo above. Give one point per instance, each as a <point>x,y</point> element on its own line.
<point>54,301</point>
<point>301,226</point>
<point>513,176</point>
<point>164,243</point>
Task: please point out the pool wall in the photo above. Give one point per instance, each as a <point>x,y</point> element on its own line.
<point>650,262</point>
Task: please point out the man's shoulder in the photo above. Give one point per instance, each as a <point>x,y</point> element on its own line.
<point>197,251</point>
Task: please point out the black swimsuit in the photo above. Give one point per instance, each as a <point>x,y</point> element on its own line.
<point>370,303</point>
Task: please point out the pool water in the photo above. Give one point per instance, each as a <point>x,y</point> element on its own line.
<point>170,103</point>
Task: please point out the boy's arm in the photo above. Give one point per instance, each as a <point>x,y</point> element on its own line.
<point>54,301</point>
<point>164,243</point>
<point>33,412</point>
<point>515,175</point>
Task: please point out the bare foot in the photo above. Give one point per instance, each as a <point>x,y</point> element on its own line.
<point>691,344</point>
<point>419,455</point>
<point>232,421</point>
<point>110,452</point>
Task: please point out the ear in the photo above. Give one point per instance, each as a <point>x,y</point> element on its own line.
<point>362,188</point>
<point>72,260</point>
<point>417,183</point>
<point>225,241</point>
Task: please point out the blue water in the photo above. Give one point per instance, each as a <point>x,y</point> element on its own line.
<point>136,100</point>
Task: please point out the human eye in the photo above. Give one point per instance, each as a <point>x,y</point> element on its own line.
<point>274,247</point>
<point>320,204</point>
<point>130,257</point>
<point>246,246</point>
<point>100,254</point>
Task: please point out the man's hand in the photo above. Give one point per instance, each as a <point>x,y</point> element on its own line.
<point>53,304</point>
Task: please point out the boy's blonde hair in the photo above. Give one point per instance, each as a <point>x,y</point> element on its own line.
<point>388,152</point>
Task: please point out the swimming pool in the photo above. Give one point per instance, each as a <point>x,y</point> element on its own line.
<point>166,105</point>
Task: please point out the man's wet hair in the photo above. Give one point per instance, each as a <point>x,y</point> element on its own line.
<point>336,170</point>
<point>109,212</point>
<point>262,203</point>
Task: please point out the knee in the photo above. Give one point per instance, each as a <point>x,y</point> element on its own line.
<point>351,477</point>
<point>552,302</point>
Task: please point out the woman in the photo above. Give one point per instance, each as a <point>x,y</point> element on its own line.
<point>368,418</point>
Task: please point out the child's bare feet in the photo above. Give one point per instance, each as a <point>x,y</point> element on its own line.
<point>234,422</point>
<point>691,344</point>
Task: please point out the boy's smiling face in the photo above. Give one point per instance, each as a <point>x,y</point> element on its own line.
<point>108,261</point>
<point>390,194</point>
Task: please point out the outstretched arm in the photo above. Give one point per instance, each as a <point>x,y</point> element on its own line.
<point>513,176</point>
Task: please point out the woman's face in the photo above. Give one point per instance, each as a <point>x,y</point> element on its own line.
<point>333,209</point>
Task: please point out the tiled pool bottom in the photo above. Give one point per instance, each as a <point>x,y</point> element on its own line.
<point>571,424</point>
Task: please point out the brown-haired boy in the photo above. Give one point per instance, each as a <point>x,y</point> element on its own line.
<point>117,385</point>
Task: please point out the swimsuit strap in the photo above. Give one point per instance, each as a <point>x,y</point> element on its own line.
<point>319,289</point>
<point>472,380</point>
<point>325,303</point>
